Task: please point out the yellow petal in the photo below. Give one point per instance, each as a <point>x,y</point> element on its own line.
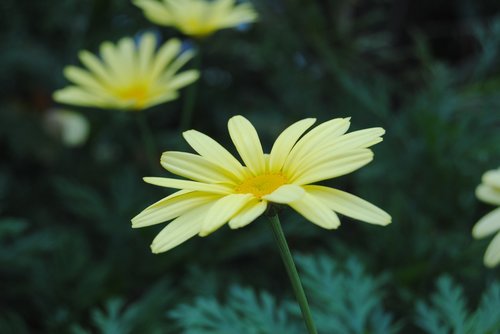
<point>145,55</point>
<point>248,214</point>
<point>179,230</point>
<point>341,165</point>
<point>222,211</point>
<point>161,98</point>
<point>360,139</point>
<point>314,140</point>
<point>488,194</point>
<point>315,211</point>
<point>214,152</point>
<point>246,140</point>
<point>127,58</point>
<point>188,185</point>
<point>76,96</point>
<point>285,142</point>
<point>349,205</point>
<point>172,207</point>
<point>164,56</point>
<point>112,60</point>
<point>492,178</point>
<point>82,78</point>
<point>183,79</point>
<point>492,255</point>
<point>194,167</point>
<point>285,194</point>
<point>95,66</point>
<point>487,225</point>
<point>179,62</point>
<point>154,11</point>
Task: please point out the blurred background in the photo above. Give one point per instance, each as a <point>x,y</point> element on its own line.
<point>428,72</point>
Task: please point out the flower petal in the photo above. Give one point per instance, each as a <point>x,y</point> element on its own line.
<point>488,194</point>
<point>214,152</point>
<point>285,194</point>
<point>487,225</point>
<point>95,66</point>
<point>492,255</point>
<point>492,178</point>
<point>183,79</point>
<point>314,140</point>
<point>246,140</point>
<point>222,211</point>
<point>351,141</point>
<point>345,163</point>
<point>195,167</point>
<point>248,214</point>
<point>145,53</point>
<point>82,78</point>
<point>349,205</point>
<point>179,230</point>
<point>155,11</point>
<point>76,96</point>
<point>164,56</point>
<point>188,185</point>
<point>171,207</point>
<point>112,60</point>
<point>316,211</point>
<point>285,142</point>
<point>180,61</point>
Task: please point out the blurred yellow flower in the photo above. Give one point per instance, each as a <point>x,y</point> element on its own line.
<point>198,18</point>
<point>222,190</point>
<point>129,76</point>
<point>489,191</point>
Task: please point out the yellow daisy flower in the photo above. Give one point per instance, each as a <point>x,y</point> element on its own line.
<point>198,18</point>
<point>222,190</point>
<point>489,191</point>
<point>129,76</point>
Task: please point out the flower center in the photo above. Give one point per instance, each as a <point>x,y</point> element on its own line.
<point>261,185</point>
<point>137,93</point>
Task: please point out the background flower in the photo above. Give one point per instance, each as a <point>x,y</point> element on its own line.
<point>129,76</point>
<point>224,191</point>
<point>489,191</point>
<point>198,18</point>
<point>71,127</point>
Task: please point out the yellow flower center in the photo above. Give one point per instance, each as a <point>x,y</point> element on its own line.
<point>261,185</point>
<point>137,93</point>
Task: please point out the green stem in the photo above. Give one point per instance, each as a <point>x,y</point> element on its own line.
<point>148,140</point>
<point>190,95</point>
<point>287,258</point>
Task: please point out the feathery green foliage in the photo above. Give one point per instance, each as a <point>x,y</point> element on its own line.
<point>448,311</point>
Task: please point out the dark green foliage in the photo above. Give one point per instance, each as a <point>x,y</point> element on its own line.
<point>448,311</point>
<point>426,71</point>
<point>244,312</point>
<point>343,301</point>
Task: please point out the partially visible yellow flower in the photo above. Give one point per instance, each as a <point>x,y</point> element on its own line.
<point>129,76</point>
<point>222,190</point>
<point>198,18</point>
<point>70,127</point>
<point>489,191</point>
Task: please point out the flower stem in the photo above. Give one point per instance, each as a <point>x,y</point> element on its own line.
<point>190,95</point>
<point>287,258</point>
<point>147,139</point>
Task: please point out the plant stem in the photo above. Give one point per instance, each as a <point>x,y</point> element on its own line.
<point>190,95</point>
<point>287,258</point>
<point>147,139</point>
